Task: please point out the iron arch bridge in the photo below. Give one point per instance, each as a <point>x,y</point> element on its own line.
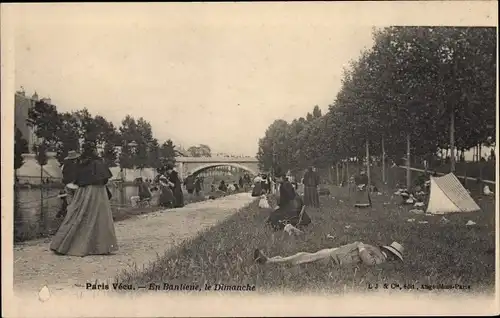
<point>193,165</point>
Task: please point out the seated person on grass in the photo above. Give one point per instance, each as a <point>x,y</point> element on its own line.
<point>350,254</point>
<point>289,209</point>
<point>144,192</point>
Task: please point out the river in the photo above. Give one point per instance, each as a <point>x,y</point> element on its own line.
<point>29,219</point>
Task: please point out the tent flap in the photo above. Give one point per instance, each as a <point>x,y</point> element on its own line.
<point>448,195</point>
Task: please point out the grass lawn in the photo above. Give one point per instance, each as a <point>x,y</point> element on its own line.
<point>435,253</point>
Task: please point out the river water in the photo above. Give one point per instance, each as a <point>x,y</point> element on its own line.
<point>29,222</point>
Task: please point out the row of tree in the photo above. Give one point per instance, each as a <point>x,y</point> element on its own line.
<point>130,145</point>
<point>418,90</point>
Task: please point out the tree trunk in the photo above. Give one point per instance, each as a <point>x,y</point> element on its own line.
<point>408,171</point>
<point>347,170</point>
<point>465,175</point>
<point>368,165</point>
<point>337,168</point>
<point>383,161</point>
<point>42,208</point>
<point>452,141</point>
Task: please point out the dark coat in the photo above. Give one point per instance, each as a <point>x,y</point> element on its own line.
<point>287,194</point>
<point>69,171</point>
<point>290,204</point>
<point>176,189</point>
<point>311,179</point>
<point>93,172</point>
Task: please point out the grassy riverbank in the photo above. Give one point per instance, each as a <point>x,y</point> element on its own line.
<point>435,253</point>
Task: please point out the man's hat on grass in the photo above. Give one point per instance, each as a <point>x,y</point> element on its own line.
<point>396,249</point>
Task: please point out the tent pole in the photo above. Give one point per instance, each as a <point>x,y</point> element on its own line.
<point>452,141</point>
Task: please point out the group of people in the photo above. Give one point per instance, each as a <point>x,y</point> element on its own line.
<point>170,186</point>
<point>291,210</point>
<point>88,229</point>
<point>263,184</point>
<point>193,184</point>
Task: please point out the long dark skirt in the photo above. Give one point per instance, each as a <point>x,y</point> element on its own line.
<point>87,228</point>
<point>311,196</point>
<point>288,214</point>
<point>179,197</point>
<point>167,198</point>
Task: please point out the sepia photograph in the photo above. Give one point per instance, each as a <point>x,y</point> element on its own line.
<point>313,158</point>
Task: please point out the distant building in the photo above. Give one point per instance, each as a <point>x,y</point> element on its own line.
<point>22,104</point>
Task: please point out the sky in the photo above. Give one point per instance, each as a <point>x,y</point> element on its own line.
<point>199,73</point>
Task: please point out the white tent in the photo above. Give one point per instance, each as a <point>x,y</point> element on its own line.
<point>448,195</point>
<point>30,170</point>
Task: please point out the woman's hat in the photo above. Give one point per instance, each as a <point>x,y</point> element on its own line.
<point>162,177</point>
<point>396,249</point>
<point>72,155</point>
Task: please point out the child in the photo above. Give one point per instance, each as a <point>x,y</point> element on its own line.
<point>64,205</point>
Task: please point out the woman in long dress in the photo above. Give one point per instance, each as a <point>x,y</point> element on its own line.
<point>88,228</point>
<point>176,186</point>
<point>167,198</point>
<point>311,183</point>
<point>362,195</point>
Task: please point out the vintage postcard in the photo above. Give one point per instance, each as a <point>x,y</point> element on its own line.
<point>249,159</point>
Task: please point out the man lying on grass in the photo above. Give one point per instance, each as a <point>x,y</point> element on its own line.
<point>354,253</point>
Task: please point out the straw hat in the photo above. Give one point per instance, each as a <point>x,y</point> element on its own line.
<point>396,249</point>
<point>72,155</point>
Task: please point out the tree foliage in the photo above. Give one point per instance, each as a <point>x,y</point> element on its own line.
<point>20,148</point>
<point>408,84</point>
<point>132,144</point>
<point>200,151</point>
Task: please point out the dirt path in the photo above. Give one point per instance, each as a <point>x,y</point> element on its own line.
<point>140,240</point>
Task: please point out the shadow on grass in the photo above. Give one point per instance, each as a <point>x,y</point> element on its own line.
<point>434,253</point>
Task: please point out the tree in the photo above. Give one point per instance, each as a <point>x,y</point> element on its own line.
<point>200,151</point>
<point>125,157</point>
<point>46,122</point>
<point>144,138</point>
<point>167,151</point>
<point>41,159</point>
<point>154,154</point>
<point>316,112</point>
<point>410,84</point>
<point>20,148</point>
<point>109,154</point>
<point>273,147</point>
<point>68,137</point>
